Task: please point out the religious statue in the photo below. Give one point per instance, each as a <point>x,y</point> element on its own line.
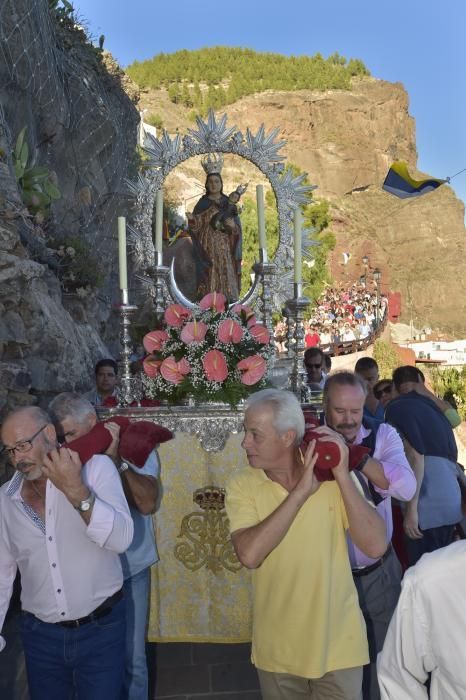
<point>215,230</point>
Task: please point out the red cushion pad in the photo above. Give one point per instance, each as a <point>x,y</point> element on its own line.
<point>137,440</point>
<point>329,455</point>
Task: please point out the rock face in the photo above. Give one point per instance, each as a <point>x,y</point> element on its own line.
<point>346,141</point>
<point>82,126</point>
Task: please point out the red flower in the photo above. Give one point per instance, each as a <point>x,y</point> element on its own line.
<point>260,334</point>
<point>151,366</point>
<point>194,332</point>
<point>176,315</point>
<point>229,331</point>
<point>248,313</point>
<point>215,366</point>
<point>154,340</point>
<point>252,369</point>
<point>214,300</point>
<point>173,371</point>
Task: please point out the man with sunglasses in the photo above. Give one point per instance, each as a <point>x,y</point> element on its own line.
<point>383,473</point>
<point>63,526</point>
<point>314,364</point>
<point>383,392</point>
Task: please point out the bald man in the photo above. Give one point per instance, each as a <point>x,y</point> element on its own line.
<point>63,526</point>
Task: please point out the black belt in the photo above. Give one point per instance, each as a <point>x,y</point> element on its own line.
<point>102,610</point>
<point>369,569</point>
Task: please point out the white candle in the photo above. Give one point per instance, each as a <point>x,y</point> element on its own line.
<point>261,219</point>
<point>159,221</point>
<point>122,252</point>
<point>298,221</point>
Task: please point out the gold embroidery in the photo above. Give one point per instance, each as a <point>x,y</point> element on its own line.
<point>207,534</point>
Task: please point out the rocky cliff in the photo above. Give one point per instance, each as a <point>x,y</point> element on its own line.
<point>346,141</point>
<point>81,128</point>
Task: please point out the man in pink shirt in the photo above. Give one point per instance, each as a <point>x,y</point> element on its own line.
<point>383,473</point>
<point>63,526</point>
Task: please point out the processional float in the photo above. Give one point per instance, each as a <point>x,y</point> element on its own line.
<point>200,592</point>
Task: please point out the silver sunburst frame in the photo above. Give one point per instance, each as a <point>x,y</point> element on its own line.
<point>213,136</point>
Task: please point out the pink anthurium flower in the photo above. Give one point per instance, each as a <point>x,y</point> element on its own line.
<point>229,331</point>
<point>214,300</point>
<point>154,340</point>
<point>252,369</point>
<point>194,332</point>
<point>151,366</point>
<point>215,366</point>
<point>176,315</point>
<point>260,334</point>
<point>173,371</point>
<point>249,313</point>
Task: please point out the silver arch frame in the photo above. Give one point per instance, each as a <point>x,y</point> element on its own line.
<point>213,136</point>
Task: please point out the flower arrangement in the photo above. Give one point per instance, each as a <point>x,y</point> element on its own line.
<point>214,354</point>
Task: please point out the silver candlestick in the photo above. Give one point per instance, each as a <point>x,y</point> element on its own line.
<point>297,306</point>
<point>265,270</point>
<point>129,389</point>
<point>289,331</point>
<point>160,274</point>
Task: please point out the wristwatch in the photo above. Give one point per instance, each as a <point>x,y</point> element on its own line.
<point>87,504</point>
<point>124,466</point>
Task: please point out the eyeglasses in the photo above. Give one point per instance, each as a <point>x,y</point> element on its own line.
<point>23,446</point>
<point>386,390</point>
<point>311,366</point>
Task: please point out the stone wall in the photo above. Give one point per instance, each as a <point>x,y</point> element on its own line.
<point>82,126</point>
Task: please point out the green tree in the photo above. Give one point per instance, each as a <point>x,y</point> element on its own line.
<point>386,357</point>
<point>246,72</point>
<point>174,93</point>
<point>154,120</point>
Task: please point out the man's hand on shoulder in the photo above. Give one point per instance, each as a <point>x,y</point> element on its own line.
<point>330,435</point>
<point>64,469</point>
<point>308,483</point>
<point>112,449</point>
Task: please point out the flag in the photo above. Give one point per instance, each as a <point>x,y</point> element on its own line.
<point>400,183</point>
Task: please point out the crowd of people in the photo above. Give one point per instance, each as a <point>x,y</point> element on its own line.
<point>328,515</point>
<point>341,315</point>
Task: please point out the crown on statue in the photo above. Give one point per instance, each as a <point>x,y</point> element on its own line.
<point>210,498</point>
<point>212,164</point>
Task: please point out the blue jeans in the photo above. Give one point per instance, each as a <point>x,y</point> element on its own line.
<point>136,685</point>
<point>85,663</point>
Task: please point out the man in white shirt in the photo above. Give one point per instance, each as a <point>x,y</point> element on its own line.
<point>74,417</point>
<point>64,525</point>
<point>426,633</point>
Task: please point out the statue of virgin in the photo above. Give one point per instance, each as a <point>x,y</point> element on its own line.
<point>215,229</point>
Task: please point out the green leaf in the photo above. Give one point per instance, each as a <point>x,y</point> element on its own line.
<point>19,170</point>
<point>19,142</point>
<point>24,155</point>
<point>37,173</point>
<point>52,191</point>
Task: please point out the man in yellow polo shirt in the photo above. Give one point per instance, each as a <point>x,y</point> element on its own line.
<point>309,636</point>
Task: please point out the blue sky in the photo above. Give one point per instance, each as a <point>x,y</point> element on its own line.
<point>420,44</point>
